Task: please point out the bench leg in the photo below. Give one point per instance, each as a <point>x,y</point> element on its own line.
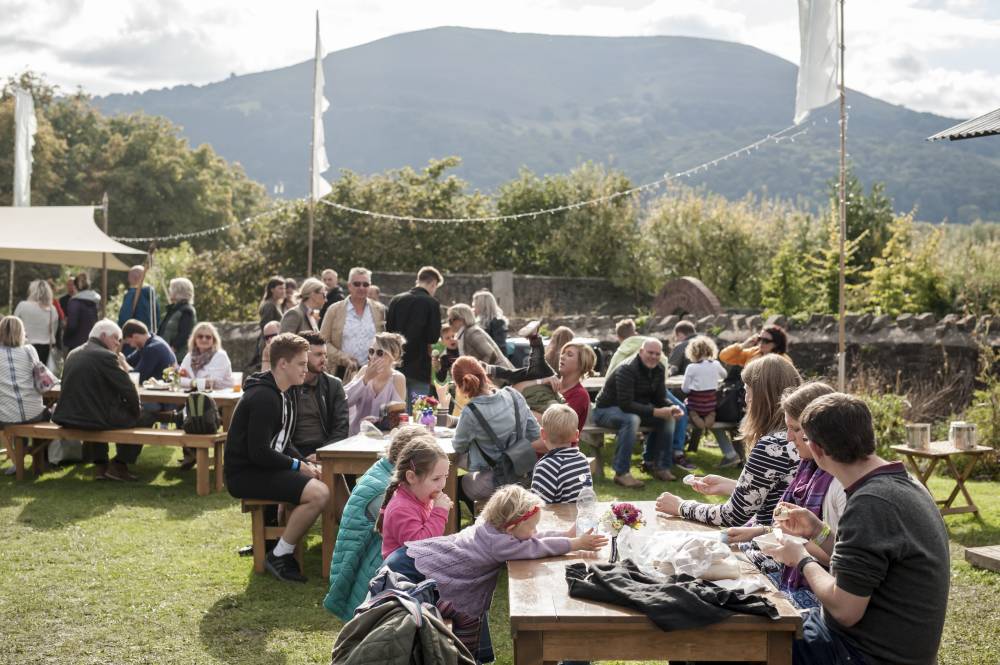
<point>201,464</point>
<point>257,531</point>
<point>17,450</point>
<point>219,477</point>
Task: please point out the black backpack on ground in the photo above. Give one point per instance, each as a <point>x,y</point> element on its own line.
<point>201,416</point>
<point>731,397</point>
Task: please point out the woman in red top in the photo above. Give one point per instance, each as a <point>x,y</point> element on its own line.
<point>576,362</point>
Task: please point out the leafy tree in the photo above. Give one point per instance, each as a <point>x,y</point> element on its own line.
<point>785,289</point>
<point>824,268</point>
<point>869,217</point>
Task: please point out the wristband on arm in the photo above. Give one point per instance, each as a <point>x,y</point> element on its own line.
<point>823,534</point>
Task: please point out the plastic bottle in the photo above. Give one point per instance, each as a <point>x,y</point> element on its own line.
<point>586,508</point>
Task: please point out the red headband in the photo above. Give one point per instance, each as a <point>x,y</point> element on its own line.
<point>523,518</point>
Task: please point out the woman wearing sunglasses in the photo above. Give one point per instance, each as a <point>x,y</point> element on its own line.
<point>772,339</point>
<point>377,383</point>
<point>205,360</point>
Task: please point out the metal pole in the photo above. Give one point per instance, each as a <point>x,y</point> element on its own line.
<point>841,332</point>
<point>10,295</point>
<point>312,162</point>
<point>104,260</point>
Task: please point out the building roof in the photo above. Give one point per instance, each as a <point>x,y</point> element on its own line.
<point>984,125</point>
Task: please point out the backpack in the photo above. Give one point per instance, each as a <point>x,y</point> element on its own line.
<point>731,397</point>
<point>517,457</point>
<point>201,416</point>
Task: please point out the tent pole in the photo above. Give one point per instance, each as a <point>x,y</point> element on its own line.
<point>841,332</point>
<point>104,260</point>
<point>10,295</point>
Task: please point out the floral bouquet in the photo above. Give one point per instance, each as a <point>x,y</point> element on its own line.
<point>172,376</point>
<point>620,516</point>
<point>423,411</point>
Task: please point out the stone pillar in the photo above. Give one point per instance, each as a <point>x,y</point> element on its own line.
<point>502,286</point>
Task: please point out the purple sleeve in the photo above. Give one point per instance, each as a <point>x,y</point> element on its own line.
<point>539,547</point>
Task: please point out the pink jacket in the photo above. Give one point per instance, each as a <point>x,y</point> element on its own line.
<point>407,519</point>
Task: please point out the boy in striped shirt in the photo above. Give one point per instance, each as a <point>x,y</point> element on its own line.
<point>562,472</point>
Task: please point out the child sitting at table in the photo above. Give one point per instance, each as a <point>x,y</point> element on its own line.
<point>701,381</point>
<point>358,552</point>
<point>563,471</point>
<point>415,505</point>
<point>466,564</point>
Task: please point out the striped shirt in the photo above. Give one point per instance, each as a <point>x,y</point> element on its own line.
<point>560,475</point>
<point>769,468</point>
<point>19,401</point>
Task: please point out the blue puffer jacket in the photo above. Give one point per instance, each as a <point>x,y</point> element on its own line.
<point>358,552</point>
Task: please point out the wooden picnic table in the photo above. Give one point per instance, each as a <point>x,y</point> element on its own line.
<point>944,450</point>
<point>225,400</point>
<point>548,626</point>
<point>353,456</point>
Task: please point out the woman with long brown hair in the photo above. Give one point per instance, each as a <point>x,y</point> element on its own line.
<point>772,460</point>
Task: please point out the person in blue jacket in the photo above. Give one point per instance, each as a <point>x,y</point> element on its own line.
<point>357,554</point>
<point>139,302</point>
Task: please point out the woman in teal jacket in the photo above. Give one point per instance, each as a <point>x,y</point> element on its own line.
<point>357,554</point>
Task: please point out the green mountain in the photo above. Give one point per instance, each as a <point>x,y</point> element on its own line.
<point>646,105</point>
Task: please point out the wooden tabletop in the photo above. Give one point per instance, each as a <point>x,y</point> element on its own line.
<point>941,449</point>
<point>223,398</point>
<point>539,594</point>
<point>359,444</point>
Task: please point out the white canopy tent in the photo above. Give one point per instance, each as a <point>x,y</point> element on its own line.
<point>63,235</point>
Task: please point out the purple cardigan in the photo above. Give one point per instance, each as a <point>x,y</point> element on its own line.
<point>466,564</point>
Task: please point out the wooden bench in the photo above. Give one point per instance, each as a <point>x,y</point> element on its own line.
<point>261,532</point>
<point>593,436</point>
<point>19,435</point>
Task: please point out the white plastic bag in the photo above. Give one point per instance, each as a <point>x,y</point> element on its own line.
<point>698,554</point>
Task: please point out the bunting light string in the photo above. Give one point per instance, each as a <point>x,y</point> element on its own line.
<point>786,134</point>
<point>208,232</point>
<point>789,133</point>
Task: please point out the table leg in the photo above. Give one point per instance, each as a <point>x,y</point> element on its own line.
<point>227,417</point>
<point>960,478</point>
<point>17,451</point>
<point>779,647</point>
<point>528,648</point>
<point>923,474</point>
<point>201,470</point>
<point>329,519</point>
<point>220,478</point>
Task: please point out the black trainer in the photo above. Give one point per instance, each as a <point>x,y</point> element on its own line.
<point>285,568</point>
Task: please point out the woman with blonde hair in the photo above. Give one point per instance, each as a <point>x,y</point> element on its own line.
<point>559,338</point>
<point>378,382</point>
<point>179,318</point>
<point>40,318</point>
<point>472,339</point>
<point>206,359</point>
<point>490,317</point>
<point>20,401</point>
<point>299,319</point>
<point>771,463</point>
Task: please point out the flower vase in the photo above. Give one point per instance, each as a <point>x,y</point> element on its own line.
<point>614,549</point>
<point>428,420</point>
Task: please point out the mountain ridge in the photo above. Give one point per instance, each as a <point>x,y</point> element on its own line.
<point>505,101</point>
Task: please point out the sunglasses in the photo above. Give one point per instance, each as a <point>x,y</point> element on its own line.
<point>376,352</point>
<point>361,285</point>
<point>766,340</point>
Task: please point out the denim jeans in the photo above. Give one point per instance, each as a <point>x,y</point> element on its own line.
<point>680,425</point>
<point>820,645</point>
<point>659,442</point>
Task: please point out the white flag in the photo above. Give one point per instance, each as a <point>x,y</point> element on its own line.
<point>25,127</point>
<point>319,187</point>
<point>817,84</point>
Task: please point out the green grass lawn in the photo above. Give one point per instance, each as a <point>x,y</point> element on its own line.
<point>100,572</point>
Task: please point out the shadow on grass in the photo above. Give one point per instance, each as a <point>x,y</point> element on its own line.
<point>244,628</point>
<point>70,494</point>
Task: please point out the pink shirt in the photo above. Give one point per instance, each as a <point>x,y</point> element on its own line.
<point>407,519</point>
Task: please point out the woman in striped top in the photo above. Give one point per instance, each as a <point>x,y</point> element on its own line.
<point>20,402</point>
<point>770,465</point>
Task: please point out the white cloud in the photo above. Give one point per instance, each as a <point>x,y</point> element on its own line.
<point>934,55</point>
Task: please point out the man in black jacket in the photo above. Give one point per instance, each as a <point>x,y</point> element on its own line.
<point>321,413</point>
<point>416,315</point>
<point>635,394</point>
<point>97,394</point>
<point>262,463</point>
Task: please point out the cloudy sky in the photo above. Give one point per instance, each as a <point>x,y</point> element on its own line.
<point>931,55</point>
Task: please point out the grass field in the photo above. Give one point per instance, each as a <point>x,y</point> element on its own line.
<point>110,573</point>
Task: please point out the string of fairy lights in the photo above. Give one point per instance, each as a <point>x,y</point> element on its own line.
<point>788,134</point>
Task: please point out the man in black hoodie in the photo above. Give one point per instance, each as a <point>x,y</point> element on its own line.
<point>262,463</point>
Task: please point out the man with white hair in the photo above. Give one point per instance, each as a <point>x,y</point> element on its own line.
<point>334,291</point>
<point>635,394</point>
<point>349,326</point>
<point>139,302</point>
<point>97,394</point>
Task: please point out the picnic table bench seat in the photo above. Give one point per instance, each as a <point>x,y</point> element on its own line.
<point>40,434</point>
<point>593,436</point>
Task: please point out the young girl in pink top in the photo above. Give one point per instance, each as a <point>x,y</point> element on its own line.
<point>415,505</point>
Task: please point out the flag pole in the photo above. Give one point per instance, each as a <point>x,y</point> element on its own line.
<point>104,261</point>
<point>312,162</point>
<point>841,332</point>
